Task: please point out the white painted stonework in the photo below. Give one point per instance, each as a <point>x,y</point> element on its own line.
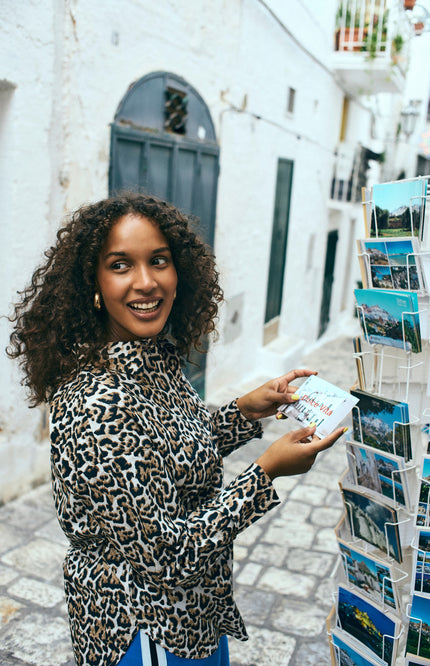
<point>66,65</point>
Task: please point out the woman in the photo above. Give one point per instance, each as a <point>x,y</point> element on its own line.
<point>127,291</point>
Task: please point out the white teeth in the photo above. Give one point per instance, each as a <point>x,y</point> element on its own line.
<point>144,306</point>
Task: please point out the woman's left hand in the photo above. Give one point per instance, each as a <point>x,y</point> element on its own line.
<point>266,400</point>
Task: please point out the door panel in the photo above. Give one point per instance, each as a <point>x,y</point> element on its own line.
<point>279,239</point>
<point>184,173</point>
<point>330,259</point>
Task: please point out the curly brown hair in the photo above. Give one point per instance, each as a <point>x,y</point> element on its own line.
<point>57,328</point>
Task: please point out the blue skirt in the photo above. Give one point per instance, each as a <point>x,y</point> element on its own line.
<point>144,652</point>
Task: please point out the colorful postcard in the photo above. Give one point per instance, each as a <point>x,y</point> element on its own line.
<point>391,264</point>
<point>348,653</point>
<point>418,639</point>
<point>375,629</point>
<point>373,576</point>
<point>421,576</point>
<point>382,473</point>
<point>382,424</point>
<point>423,504</point>
<point>321,403</point>
<point>373,522</point>
<point>398,209</point>
<point>390,318</point>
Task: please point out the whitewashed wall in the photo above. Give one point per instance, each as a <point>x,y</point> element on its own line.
<point>57,100</point>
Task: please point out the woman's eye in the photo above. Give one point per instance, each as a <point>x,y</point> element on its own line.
<point>119,265</point>
<point>160,261</point>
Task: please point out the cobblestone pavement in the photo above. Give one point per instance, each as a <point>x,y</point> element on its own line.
<point>283,563</point>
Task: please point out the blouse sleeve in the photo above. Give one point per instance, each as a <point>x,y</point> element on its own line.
<point>231,429</point>
<point>123,480</point>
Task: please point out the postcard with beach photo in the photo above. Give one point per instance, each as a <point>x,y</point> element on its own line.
<point>377,630</point>
<point>398,209</point>
<point>391,263</point>
<point>423,504</point>
<point>418,639</point>
<point>348,652</point>
<point>390,318</point>
<point>382,473</point>
<point>371,575</point>
<point>321,403</point>
<point>374,522</point>
<point>382,424</point>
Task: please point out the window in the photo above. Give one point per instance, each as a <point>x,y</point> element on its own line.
<point>175,111</point>
<point>291,96</point>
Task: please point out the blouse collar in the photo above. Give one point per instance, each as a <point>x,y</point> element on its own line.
<point>137,357</point>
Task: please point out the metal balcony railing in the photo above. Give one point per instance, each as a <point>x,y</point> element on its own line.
<point>372,35</point>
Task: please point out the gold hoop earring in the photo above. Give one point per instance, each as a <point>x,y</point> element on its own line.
<point>97,301</point>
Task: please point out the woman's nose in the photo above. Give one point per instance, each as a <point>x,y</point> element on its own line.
<point>144,279</point>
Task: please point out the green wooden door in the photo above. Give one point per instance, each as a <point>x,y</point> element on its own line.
<point>182,167</point>
<point>278,250</point>
<point>330,258</point>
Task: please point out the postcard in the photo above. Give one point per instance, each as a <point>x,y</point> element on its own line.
<point>418,639</point>
<point>390,318</point>
<point>375,629</point>
<point>392,263</point>
<point>371,575</point>
<point>398,208</point>
<point>321,403</point>
<point>421,573</point>
<point>423,504</point>
<point>373,521</point>
<point>349,653</point>
<point>382,424</point>
<point>382,473</point>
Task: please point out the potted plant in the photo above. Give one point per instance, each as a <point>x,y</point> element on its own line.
<point>347,27</point>
<point>396,48</point>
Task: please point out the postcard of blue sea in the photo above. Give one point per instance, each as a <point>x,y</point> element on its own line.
<point>390,317</point>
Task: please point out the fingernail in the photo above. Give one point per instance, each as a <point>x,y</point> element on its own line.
<point>295,396</point>
<point>312,425</point>
<point>344,430</point>
<point>280,416</point>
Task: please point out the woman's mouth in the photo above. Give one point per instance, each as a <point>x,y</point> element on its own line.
<point>145,308</point>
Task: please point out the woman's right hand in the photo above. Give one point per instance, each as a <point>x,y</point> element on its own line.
<point>295,452</point>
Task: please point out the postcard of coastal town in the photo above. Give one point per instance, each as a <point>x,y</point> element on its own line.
<point>371,575</point>
<point>321,403</point>
<point>398,208</point>
<point>418,639</point>
<point>367,623</point>
<point>391,264</point>
<point>390,318</point>
<point>423,505</point>
<point>382,473</point>
<point>421,563</point>
<point>349,654</point>
<point>372,521</point>
<point>382,423</point>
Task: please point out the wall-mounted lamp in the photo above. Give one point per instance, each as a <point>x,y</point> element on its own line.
<point>409,117</point>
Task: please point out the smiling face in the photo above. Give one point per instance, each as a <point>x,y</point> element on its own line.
<point>136,278</point>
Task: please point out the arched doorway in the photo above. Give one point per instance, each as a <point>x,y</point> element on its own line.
<point>163,142</point>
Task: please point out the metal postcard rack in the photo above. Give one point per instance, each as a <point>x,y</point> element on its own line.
<point>398,372</point>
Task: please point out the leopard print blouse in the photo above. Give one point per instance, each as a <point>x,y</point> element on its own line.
<point>137,480</point>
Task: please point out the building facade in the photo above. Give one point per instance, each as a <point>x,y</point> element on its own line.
<point>277,135</point>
